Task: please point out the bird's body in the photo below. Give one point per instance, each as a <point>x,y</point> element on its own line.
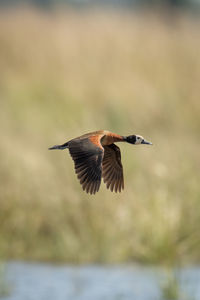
<point>104,136</point>
<point>95,156</point>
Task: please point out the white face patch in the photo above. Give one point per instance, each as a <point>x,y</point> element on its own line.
<point>139,139</point>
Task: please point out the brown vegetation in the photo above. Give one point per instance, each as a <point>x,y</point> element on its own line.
<point>66,73</point>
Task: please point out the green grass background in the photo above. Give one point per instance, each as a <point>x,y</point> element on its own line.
<point>64,73</point>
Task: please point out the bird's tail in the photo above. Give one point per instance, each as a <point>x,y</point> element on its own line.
<point>60,147</point>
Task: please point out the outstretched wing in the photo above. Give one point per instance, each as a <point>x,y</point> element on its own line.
<point>112,168</point>
<point>87,154</point>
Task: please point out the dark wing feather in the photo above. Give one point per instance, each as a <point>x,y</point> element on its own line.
<point>112,168</point>
<point>87,158</point>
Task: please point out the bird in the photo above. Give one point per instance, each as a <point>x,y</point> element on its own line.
<point>95,155</point>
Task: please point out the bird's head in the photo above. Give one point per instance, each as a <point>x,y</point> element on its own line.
<point>136,140</point>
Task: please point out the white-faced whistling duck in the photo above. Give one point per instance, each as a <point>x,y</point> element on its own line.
<point>95,155</point>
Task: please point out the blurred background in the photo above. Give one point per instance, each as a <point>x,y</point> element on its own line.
<point>71,67</point>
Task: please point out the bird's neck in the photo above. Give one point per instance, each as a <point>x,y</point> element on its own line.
<point>111,138</point>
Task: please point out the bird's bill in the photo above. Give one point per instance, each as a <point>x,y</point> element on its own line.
<point>146,142</point>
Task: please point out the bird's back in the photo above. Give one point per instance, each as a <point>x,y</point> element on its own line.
<point>93,133</point>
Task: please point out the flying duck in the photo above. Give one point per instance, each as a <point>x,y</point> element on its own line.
<point>95,156</point>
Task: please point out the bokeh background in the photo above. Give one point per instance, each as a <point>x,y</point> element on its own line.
<point>68,68</point>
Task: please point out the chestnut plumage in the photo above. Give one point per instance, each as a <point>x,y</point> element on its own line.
<point>95,156</point>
